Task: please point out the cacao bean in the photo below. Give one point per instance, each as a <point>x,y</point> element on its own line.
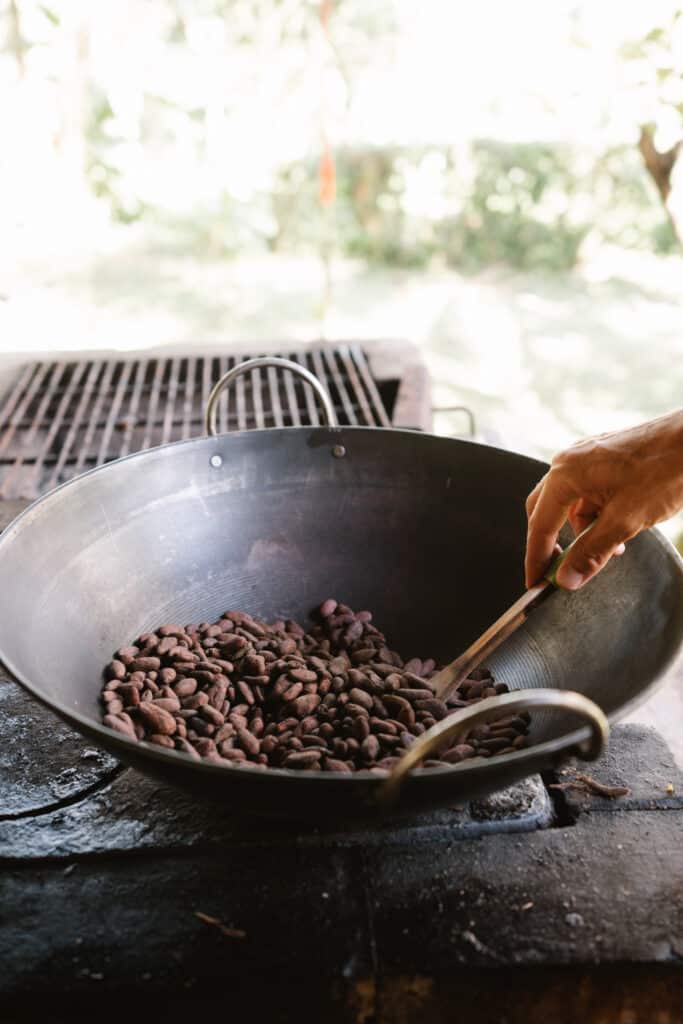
<point>156,719</point>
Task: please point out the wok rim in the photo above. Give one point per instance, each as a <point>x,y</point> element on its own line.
<point>562,747</point>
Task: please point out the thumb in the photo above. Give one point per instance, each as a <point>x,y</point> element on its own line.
<point>591,552</point>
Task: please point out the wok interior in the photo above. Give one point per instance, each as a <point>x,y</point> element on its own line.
<point>428,533</point>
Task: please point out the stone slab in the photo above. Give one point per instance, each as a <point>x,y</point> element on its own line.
<point>568,896</point>
<point>637,758</point>
<point>588,893</point>
<point>43,762</point>
<point>97,926</point>
<point>131,813</point>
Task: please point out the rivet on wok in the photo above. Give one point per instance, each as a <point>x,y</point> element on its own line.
<point>216,461</point>
<point>339,451</point>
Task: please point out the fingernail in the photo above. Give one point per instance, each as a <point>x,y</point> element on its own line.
<point>569,578</point>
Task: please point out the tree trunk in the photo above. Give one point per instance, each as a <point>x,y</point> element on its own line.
<point>71,141</point>
<point>661,169</point>
<point>16,41</point>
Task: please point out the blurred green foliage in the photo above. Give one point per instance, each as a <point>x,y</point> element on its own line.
<point>525,205</point>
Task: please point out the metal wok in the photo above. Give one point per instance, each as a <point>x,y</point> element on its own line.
<point>428,532</point>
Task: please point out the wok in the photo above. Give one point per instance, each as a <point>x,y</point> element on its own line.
<point>426,531</point>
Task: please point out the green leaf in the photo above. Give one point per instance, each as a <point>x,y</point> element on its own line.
<point>50,15</point>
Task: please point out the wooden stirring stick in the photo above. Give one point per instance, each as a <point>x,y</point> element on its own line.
<point>450,677</point>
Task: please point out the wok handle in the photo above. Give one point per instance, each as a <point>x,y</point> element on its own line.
<point>226,380</point>
<point>462,721</point>
<point>471,422</point>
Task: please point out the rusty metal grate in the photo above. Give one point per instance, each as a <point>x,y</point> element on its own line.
<point>62,418</point>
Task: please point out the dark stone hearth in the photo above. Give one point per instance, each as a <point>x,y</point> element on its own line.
<point>101,895</point>
<point>640,762</point>
<point>43,761</point>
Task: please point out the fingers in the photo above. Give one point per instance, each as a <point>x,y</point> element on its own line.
<point>582,514</point>
<point>534,496</point>
<point>547,508</point>
<point>591,552</point>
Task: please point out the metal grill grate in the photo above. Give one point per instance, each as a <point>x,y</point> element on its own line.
<point>60,419</point>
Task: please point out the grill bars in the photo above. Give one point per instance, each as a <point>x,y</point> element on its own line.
<point>60,419</point>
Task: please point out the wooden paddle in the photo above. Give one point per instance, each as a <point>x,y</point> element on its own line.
<point>450,677</point>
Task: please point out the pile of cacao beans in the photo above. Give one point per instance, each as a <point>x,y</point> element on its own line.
<point>332,698</point>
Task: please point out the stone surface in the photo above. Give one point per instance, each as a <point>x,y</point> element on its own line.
<point>42,761</point>
<point>505,899</point>
<point>528,798</point>
<point>101,924</point>
<point>310,912</point>
<point>636,758</point>
<point>131,812</point>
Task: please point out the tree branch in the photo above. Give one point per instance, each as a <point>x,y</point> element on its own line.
<point>659,165</point>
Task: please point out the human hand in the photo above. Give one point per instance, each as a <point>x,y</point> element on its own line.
<point>627,480</point>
